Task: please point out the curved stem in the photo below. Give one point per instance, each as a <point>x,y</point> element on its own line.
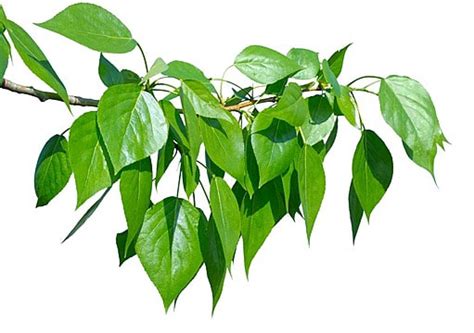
<point>144,57</point>
<point>231,83</point>
<point>204,191</point>
<point>364,90</point>
<point>222,82</point>
<point>364,77</point>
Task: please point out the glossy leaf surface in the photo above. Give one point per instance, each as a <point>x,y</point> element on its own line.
<point>308,60</point>
<point>291,107</point>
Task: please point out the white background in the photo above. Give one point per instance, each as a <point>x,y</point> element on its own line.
<point>410,271</point>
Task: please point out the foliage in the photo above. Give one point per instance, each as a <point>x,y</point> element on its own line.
<point>261,148</point>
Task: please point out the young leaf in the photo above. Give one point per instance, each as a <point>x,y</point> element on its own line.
<point>121,241</point>
<point>93,27</point>
<point>53,170</point>
<point>226,213</point>
<point>202,101</point>
<point>308,60</point>
<point>165,156</point>
<point>135,189</point>
<point>88,161</point>
<point>407,107</point>
<point>4,55</point>
<point>274,144</point>
<point>132,124</point>
<point>264,65</point>
<point>355,211</point>
<point>108,73</point>
<point>35,59</point>
<point>158,67</point>
<point>320,121</point>
<point>185,71</point>
<point>346,105</point>
<point>168,246</point>
<point>330,77</point>
<point>224,144</point>
<point>260,214</point>
<point>337,60</point>
<point>311,184</point>
<point>291,107</point>
<point>372,170</point>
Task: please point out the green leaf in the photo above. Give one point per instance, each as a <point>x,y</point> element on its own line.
<point>276,88</point>
<point>158,67</point>
<point>87,157</point>
<point>372,170</point>
<point>108,73</point>
<point>185,71</point>
<point>346,105</point>
<point>176,124</point>
<point>226,213</point>
<point>214,259</point>
<point>239,96</point>
<point>251,176</point>
<point>53,170</point>
<point>320,121</point>
<point>330,77</point>
<point>308,60</point>
<point>337,60</point>
<point>190,173</point>
<point>212,169</point>
<point>192,129</point>
<point>129,76</point>
<point>168,246</point>
<point>165,157</point>
<point>355,211</point>
<point>121,241</point>
<point>132,124</point>
<point>274,144</point>
<point>286,182</point>
<point>407,107</point>
<point>87,215</point>
<point>224,144</point>
<point>260,214</point>
<point>35,59</point>
<point>264,65</point>
<point>135,189</point>
<point>93,27</point>
<point>291,107</point>
<point>312,185</point>
<point>202,101</point>
<point>4,55</point>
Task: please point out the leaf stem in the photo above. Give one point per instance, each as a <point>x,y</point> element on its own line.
<point>204,191</point>
<point>364,77</point>
<point>222,83</point>
<point>144,57</point>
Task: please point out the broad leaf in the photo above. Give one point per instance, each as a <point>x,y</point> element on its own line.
<point>355,211</point>
<point>330,77</point>
<point>176,124</point>
<point>108,73</point>
<point>226,213</point>
<point>276,88</point>
<point>53,170</point>
<point>372,170</point>
<point>135,189</point>
<point>132,124</point>
<point>308,60</point>
<point>320,121</point>
<point>291,107</point>
<point>168,246</point>
<point>274,144</point>
<point>185,71</point>
<point>35,59</point>
<point>311,184</point>
<point>123,253</point>
<point>158,67</point>
<point>346,105</point>
<point>202,101</point>
<point>265,65</point>
<point>337,60</point>
<point>88,161</point>
<point>4,55</point>
<point>407,107</point>
<point>93,27</point>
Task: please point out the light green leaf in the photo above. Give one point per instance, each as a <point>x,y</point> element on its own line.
<point>35,59</point>
<point>265,65</point>
<point>274,144</point>
<point>192,129</point>
<point>372,170</point>
<point>4,55</point>
<point>185,71</point>
<point>132,124</point>
<point>135,189</point>
<point>88,161</point>
<point>260,214</point>
<point>226,213</point>
<point>355,211</point>
<point>158,67</point>
<point>168,246</point>
<point>224,144</point>
<point>320,121</point>
<point>53,170</point>
<point>202,101</point>
<point>407,107</point>
<point>337,60</point>
<point>108,73</point>
<point>346,105</point>
<point>311,184</point>
<point>121,241</point>
<point>308,60</point>
<point>291,107</point>
<point>330,77</point>
<point>93,27</point>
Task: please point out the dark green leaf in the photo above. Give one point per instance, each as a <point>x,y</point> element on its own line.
<point>108,73</point>
<point>93,27</point>
<point>213,169</point>
<point>176,124</point>
<point>165,156</point>
<point>330,77</point>
<point>121,240</point>
<point>132,124</point>
<point>185,71</point>
<point>355,211</point>
<point>291,107</point>
<point>308,60</point>
<point>320,121</point>
<point>135,189</point>
<point>190,173</point>
<point>239,96</point>
<point>276,88</point>
<point>312,185</point>
<point>4,55</point>
<point>337,60</point>
<point>372,170</point>
<point>265,65</point>
<point>88,161</point>
<point>129,76</point>
<point>53,170</point>
<point>168,246</point>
